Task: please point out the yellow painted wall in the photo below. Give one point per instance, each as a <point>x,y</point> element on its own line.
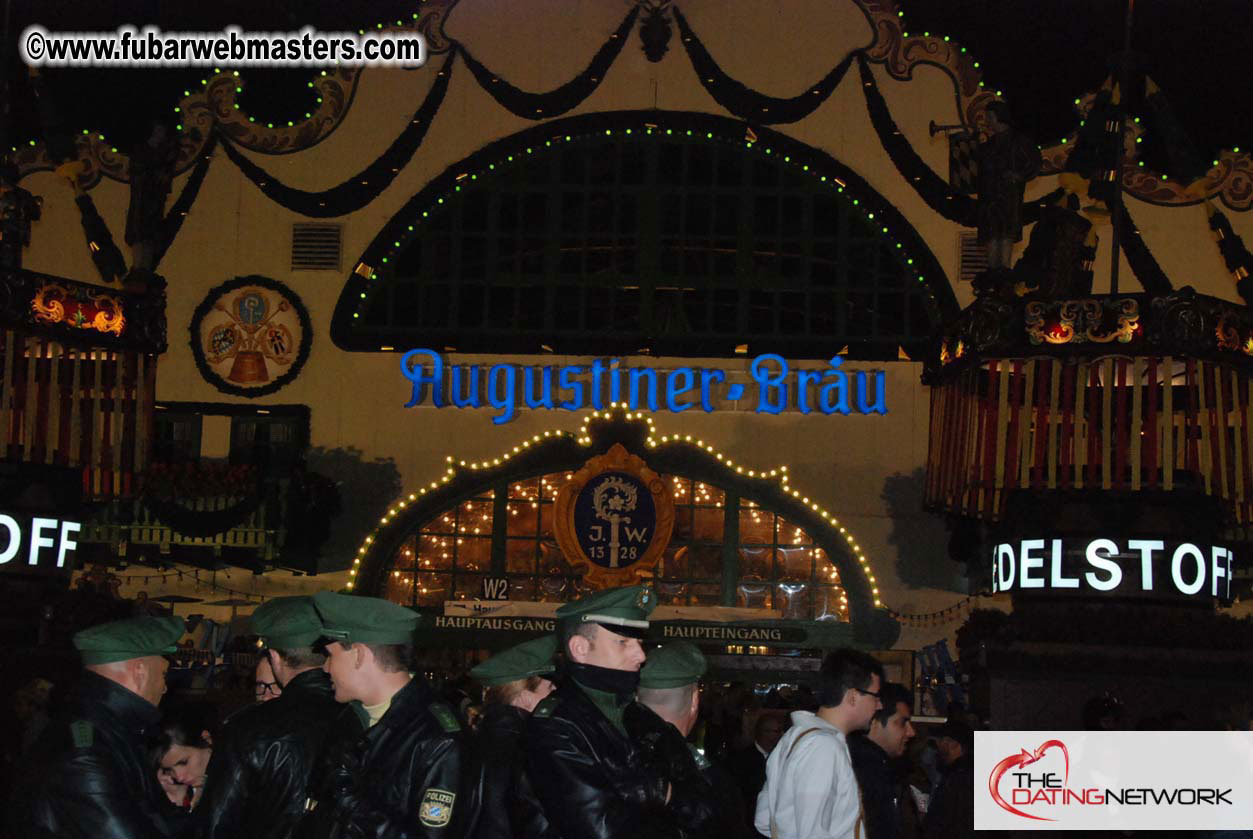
<point>779,48</point>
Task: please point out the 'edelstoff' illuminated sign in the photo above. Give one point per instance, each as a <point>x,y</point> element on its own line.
<point>1138,565</point>
<point>574,387</point>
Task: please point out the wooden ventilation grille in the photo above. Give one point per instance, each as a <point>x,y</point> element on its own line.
<point>315,247</point>
<point>974,258</point>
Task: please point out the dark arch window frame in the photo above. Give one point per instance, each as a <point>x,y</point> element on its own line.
<point>562,451</point>
<point>801,170</point>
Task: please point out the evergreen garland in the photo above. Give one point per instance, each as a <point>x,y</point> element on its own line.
<point>201,523</point>
<point>570,95</point>
<point>363,187</point>
<point>931,188</point>
<point>747,103</point>
<point>1143,265</point>
<point>173,221</point>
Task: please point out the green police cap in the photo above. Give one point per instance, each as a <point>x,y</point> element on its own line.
<point>366,620</point>
<point>622,610</point>
<point>133,638</point>
<point>287,623</point>
<point>533,658</point>
<point>674,665</point>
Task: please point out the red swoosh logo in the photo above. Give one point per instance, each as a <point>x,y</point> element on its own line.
<point>1025,758</point>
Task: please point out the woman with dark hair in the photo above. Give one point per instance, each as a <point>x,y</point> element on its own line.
<point>514,683</point>
<point>180,752</point>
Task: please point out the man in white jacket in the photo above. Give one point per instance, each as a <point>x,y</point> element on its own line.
<point>811,791</point>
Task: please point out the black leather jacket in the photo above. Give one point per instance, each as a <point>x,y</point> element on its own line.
<point>703,800</point>
<point>262,766</point>
<point>952,811</point>
<point>881,789</point>
<point>411,775</point>
<point>589,776</point>
<point>510,808</point>
<point>89,775</point>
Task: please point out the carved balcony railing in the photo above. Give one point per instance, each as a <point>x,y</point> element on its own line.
<point>1120,393</point>
<point>78,376</point>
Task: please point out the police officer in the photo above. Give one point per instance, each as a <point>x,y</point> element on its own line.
<point>263,762</point>
<point>588,773</point>
<point>515,681</point>
<point>409,773</point>
<point>89,775</point>
<point>704,799</point>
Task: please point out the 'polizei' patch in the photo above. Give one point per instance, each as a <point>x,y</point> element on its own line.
<point>436,809</point>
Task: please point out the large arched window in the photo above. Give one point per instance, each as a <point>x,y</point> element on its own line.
<point>740,538</point>
<point>675,234</point>
<point>776,563</point>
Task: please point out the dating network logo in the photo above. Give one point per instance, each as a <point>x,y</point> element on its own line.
<point>1046,785</point>
<point>1044,789</point>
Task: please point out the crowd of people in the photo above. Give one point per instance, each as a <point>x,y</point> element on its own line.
<point>584,734</point>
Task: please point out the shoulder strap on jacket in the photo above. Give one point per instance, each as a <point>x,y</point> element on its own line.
<point>546,706</point>
<point>445,717</point>
<point>799,737</point>
<point>82,732</point>
<point>774,828</point>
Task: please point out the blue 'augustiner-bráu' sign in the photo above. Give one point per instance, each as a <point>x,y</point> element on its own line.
<point>574,387</point>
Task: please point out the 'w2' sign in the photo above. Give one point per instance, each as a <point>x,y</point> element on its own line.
<point>495,588</point>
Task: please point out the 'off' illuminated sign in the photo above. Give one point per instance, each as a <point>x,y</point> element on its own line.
<point>1134,566</point>
<point>37,544</point>
<point>573,387</point>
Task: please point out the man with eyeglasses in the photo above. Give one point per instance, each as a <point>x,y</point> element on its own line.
<point>811,791</point>
<point>265,686</point>
<point>264,761</point>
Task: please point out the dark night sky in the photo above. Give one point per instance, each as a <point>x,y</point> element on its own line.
<point>1040,53</point>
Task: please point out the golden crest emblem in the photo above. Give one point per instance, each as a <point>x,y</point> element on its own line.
<point>436,807</point>
<point>614,518</point>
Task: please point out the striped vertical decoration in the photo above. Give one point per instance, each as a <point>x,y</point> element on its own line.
<point>1168,428</point>
<point>1024,426</point>
<point>1044,370</point>
<point>1013,443</point>
<point>52,429</point>
<point>1115,423</point>
<point>1002,440</point>
<point>76,409</point>
<point>1094,428</point>
<point>117,394</point>
<point>1152,433</point>
<point>974,437</point>
<point>1082,427</point>
<point>1122,431</point>
<point>989,439</point>
<point>1136,430</point>
<point>1051,443</point>
<point>1244,441</point>
<point>1066,441</point>
<point>1192,426</point>
<point>30,398</point>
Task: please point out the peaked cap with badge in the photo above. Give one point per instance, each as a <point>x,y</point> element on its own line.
<point>127,639</point>
<point>622,610</point>
<point>355,619</point>
<point>674,665</point>
<point>287,623</point>
<point>531,658</point>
